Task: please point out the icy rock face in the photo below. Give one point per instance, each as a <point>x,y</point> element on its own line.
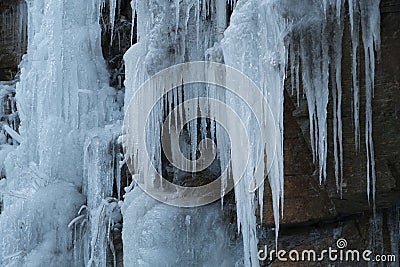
<point>63,94</point>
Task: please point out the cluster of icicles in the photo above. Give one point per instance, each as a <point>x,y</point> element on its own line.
<point>266,40</point>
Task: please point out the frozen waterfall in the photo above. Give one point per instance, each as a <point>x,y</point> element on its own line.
<point>62,165</point>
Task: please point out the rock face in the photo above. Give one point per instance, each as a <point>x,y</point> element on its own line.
<point>312,211</point>
<point>13,35</point>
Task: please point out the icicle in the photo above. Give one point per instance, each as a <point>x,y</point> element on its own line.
<point>322,104</point>
<point>257,48</point>
<point>133,24</point>
<point>198,20</point>
<point>12,133</point>
<point>370,21</point>
<point>113,8</point>
<point>337,99</point>
<point>176,3</point>
<point>220,6</point>
<point>187,224</point>
<point>354,32</point>
<point>314,54</point>
<point>119,165</point>
<point>261,202</point>
<point>292,68</point>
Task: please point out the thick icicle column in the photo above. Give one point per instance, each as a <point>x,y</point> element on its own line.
<point>62,94</point>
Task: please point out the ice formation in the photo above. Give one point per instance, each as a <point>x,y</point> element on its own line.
<point>63,101</point>
<point>316,51</point>
<point>263,40</point>
<point>264,61</point>
<point>188,36</point>
<point>70,122</point>
<point>267,37</point>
